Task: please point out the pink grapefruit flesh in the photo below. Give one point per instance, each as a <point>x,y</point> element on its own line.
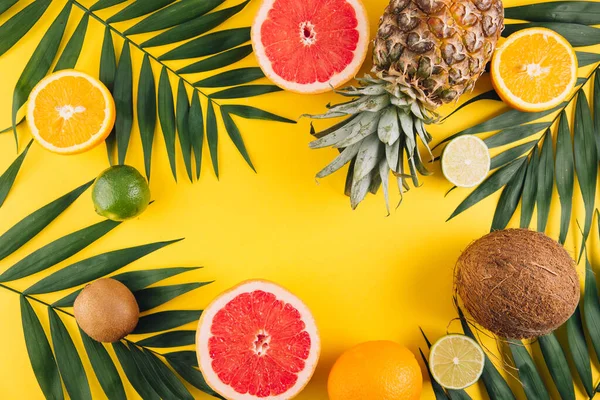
<point>257,341</point>
<point>311,46</point>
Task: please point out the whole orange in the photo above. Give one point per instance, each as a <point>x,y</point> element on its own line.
<point>381,370</point>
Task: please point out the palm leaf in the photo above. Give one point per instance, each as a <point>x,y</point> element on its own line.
<point>183,128</point>
<point>232,78</point>
<point>212,136</point>
<point>7,179</point>
<point>151,298</point>
<point>245,91</point>
<point>557,363</point>
<point>133,373</point>
<point>529,190</point>
<point>123,95</point>
<point>168,377</point>
<point>250,112</point>
<point>210,44</point>
<point>510,135</point>
<point>564,174</point>
<point>170,339</point>
<point>68,360</point>
<point>591,307</point>
<point>40,62</point>
<point>584,12</point>
<point>162,321</point>
<point>236,138</point>
<point>545,182</point>
<point>70,55</point>
<point>193,377</point>
<point>584,59</point>
<point>166,116</point>
<point>102,4</point>
<point>147,368</point>
<point>6,4</point>
<point>507,205</point>
<point>196,127</point>
<point>138,9</point>
<point>438,390</point>
<point>219,61</point>
<point>146,111</point>
<point>530,378</point>
<point>577,35</point>
<point>579,351</point>
<point>187,357</point>
<point>108,70</point>
<point>16,27</point>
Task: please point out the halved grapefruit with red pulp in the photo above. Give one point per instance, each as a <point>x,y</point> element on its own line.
<point>311,46</point>
<point>257,341</point>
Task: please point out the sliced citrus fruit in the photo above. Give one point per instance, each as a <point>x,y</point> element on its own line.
<point>456,361</point>
<point>70,112</point>
<point>310,46</point>
<point>257,341</point>
<point>535,69</point>
<point>466,161</point>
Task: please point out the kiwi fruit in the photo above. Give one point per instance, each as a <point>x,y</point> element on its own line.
<point>106,310</point>
<point>517,283</point>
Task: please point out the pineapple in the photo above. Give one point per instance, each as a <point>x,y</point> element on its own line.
<point>426,53</point>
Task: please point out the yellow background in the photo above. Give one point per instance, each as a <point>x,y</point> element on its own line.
<point>365,276</point>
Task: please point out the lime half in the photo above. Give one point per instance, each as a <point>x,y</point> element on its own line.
<point>456,361</point>
<point>466,161</point>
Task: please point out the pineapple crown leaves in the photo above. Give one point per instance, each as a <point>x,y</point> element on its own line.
<point>544,149</point>
<point>383,125</point>
<point>584,322</point>
<point>190,25</point>
<point>58,361</point>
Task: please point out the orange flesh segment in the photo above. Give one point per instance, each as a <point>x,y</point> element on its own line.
<point>83,108</point>
<point>531,59</point>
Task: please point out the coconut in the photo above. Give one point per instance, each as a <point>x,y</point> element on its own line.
<point>517,283</point>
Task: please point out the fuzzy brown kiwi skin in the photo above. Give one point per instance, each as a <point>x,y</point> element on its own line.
<point>106,310</point>
<point>517,283</point>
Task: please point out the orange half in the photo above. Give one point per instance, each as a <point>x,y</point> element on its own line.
<point>70,112</point>
<point>535,69</point>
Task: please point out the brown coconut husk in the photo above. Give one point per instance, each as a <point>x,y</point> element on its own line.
<point>517,283</point>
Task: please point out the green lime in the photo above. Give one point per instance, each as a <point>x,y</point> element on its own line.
<point>120,193</point>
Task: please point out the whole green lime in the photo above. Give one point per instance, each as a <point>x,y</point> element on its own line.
<point>120,193</point>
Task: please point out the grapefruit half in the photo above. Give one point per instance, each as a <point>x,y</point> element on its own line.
<point>310,46</point>
<point>257,341</point>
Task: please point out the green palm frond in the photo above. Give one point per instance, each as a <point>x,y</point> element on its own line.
<point>527,172</point>
<point>191,25</point>
<point>56,362</point>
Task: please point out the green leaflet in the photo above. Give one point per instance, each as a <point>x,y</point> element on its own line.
<point>511,135</point>
<point>489,186</point>
<point>133,373</point>
<point>511,154</point>
<point>183,112</point>
<point>250,112</point>
<point>102,4</point>
<point>108,70</point>
<point>597,112</point>
<point>507,205</point>
<point>545,182</point>
<point>152,377</point>
<point>219,61</point>
<point>168,377</point>
<point>196,127</point>
<point>93,268</point>
<point>7,179</point>
<point>57,251</point>
<point>210,44</point>
<point>528,374</point>
<point>150,298</point>
<point>577,35</point>
<point>39,64</point>
<point>173,15</point>
<point>591,307</point>
<point>104,368</point>
<point>40,353</point>
<point>146,111</point>
<point>586,159</point>
<point>162,321</point>
<point>496,386</point>
<point>564,174</point>
<point>123,95</point>
<point>489,95</point>
<point>70,55</point>
<point>438,390</point>
<point>530,189</point>
<point>6,4</point>
<point>508,119</point>
<point>10,128</point>
<point>138,9</point>
<point>458,394</point>
<point>135,280</point>
<point>245,91</point>
<point>557,363</point>
<point>212,135</point>
<point>18,25</point>
<point>170,339</point>
<point>584,12</point>
<point>28,227</point>
<point>166,116</point>
<point>579,351</point>
<point>584,59</point>
<point>69,362</point>
<point>232,78</point>
<point>236,138</point>
<point>185,356</point>
<point>193,377</point>
<point>194,27</point>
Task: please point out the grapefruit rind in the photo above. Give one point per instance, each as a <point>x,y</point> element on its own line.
<point>103,132</point>
<point>203,335</point>
<point>338,79</point>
